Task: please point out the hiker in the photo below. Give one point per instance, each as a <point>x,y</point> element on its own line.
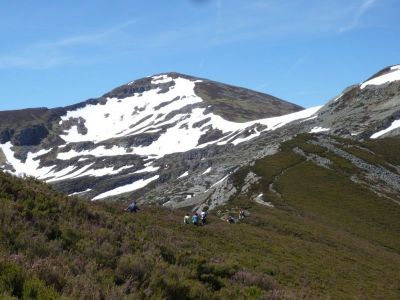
<point>133,207</point>
<point>230,220</point>
<point>241,214</point>
<point>195,219</point>
<point>203,216</point>
<point>186,219</point>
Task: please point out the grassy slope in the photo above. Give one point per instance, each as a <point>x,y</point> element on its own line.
<point>326,238</point>
<point>355,249</point>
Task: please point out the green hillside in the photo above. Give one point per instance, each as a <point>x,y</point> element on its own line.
<point>327,237</point>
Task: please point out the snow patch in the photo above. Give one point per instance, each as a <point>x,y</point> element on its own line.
<point>148,169</point>
<point>338,97</point>
<point>354,133</point>
<point>78,193</point>
<point>97,152</point>
<point>259,200</point>
<point>184,175</point>
<point>104,171</point>
<point>395,67</point>
<point>250,137</point>
<point>207,171</point>
<point>319,129</point>
<point>221,180</point>
<point>393,126</point>
<point>31,166</point>
<point>85,172</point>
<point>394,75</point>
<point>161,79</point>
<point>126,188</point>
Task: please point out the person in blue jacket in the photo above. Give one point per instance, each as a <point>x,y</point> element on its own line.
<point>133,207</point>
<point>195,219</point>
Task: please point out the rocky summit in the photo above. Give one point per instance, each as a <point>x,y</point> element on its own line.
<point>179,140</point>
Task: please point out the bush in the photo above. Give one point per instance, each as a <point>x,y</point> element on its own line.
<point>11,280</point>
<point>35,289</point>
<point>69,236</point>
<point>254,279</point>
<point>131,267</point>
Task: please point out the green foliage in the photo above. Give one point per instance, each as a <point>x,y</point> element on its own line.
<point>36,289</point>
<point>11,280</point>
<point>386,148</point>
<point>14,283</point>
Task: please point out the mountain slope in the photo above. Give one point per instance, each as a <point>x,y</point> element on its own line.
<point>364,110</point>
<point>113,144</point>
<point>317,232</point>
<point>176,139</point>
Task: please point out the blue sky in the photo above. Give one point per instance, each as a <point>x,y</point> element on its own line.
<point>55,53</point>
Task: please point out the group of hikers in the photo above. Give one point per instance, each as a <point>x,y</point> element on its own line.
<point>196,219</point>
<point>242,215</point>
<point>202,218</point>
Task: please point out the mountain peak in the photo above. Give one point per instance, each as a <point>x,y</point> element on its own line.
<point>154,129</point>
<point>386,75</point>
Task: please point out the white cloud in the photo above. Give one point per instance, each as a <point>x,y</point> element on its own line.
<point>43,55</point>
<point>358,14</point>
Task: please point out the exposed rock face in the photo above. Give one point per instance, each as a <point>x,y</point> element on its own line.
<point>318,160</point>
<point>30,136</point>
<point>376,173</point>
<point>171,138</point>
<point>363,110</point>
<point>5,135</point>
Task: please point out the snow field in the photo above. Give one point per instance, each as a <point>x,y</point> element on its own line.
<point>394,75</point>
<point>146,113</point>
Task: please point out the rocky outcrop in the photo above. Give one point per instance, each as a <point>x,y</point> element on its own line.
<point>30,136</point>
<point>376,173</point>
<point>5,135</point>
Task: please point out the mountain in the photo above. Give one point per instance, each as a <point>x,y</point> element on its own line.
<point>320,188</point>
<point>103,144</point>
<point>177,140</point>
<point>368,110</point>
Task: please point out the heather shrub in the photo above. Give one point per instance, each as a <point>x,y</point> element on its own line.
<point>11,280</point>
<point>15,283</point>
<point>254,279</point>
<point>35,289</point>
<point>132,267</point>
